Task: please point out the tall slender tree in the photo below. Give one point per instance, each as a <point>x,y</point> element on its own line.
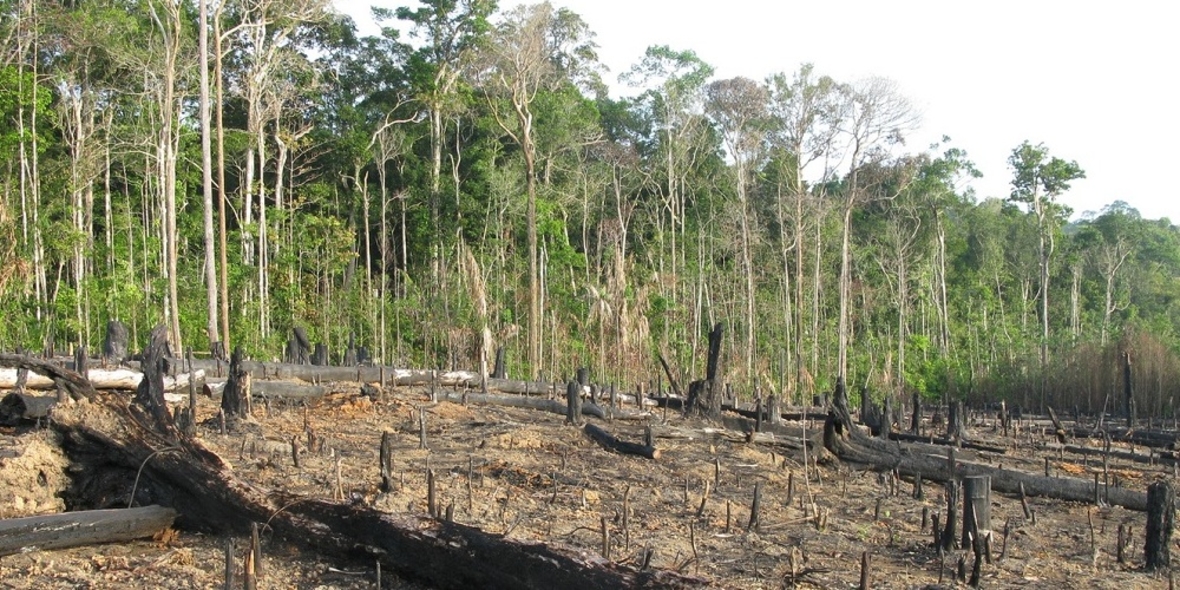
<point>534,49</point>
<point>1038,179</point>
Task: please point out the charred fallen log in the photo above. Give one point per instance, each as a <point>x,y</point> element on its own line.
<point>934,440</point>
<point>519,401</point>
<point>75,529</point>
<point>18,407</point>
<point>70,382</point>
<point>608,441</point>
<point>849,444</point>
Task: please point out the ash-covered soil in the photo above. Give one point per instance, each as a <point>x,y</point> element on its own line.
<point>526,474</point>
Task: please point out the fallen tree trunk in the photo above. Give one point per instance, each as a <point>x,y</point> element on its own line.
<point>287,390</point>
<point>856,448</point>
<point>1160,439</point>
<point>16,408</point>
<point>77,386</point>
<point>116,444</point>
<point>122,379</point>
<point>75,529</point>
<point>933,440</point>
<point>518,401</point>
<point>709,433</point>
<point>608,441</point>
<point>1162,457</point>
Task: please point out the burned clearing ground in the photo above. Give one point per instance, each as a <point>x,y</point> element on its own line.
<point>530,476</point>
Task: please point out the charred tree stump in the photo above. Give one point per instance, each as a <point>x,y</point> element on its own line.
<point>573,401</point>
<point>319,357</point>
<point>916,417</point>
<point>977,508</point>
<point>304,346</point>
<point>298,348</point>
<point>1128,391</point>
<point>500,370</point>
<point>114,346</point>
<point>947,541</point>
<point>81,360</point>
<point>709,393</point>
<point>386,460</point>
<point>1058,430</point>
<point>350,357</point>
<point>1161,510</point>
<point>956,429</point>
<point>232,396</point>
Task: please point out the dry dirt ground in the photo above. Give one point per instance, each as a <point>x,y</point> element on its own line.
<point>526,474</point>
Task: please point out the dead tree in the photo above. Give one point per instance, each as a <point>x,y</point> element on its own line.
<point>1161,510</point>
<point>1128,391</point>
<point>704,397</point>
<point>114,346</point>
<point>916,417</point>
<point>298,347</point>
<point>233,401</point>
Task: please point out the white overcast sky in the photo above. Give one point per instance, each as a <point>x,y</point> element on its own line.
<point>1095,82</point>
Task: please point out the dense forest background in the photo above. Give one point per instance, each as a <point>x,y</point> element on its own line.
<point>465,181</point>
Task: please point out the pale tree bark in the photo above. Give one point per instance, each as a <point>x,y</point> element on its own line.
<point>875,116</point>
<point>523,56</point>
<point>804,108</point>
<point>1111,258</point>
<point>211,293</point>
<point>222,248</point>
<point>738,108</point>
<point>166,16</point>
<point>674,81</point>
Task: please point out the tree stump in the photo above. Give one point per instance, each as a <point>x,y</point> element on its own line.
<point>573,400</point>
<point>499,371</point>
<point>319,358</point>
<point>114,347</point>
<point>1128,391</point>
<point>232,402</point>
<point>705,398</point>
<point>1161,509</point>
<point>956,424</point>
<point>350,352</point>
<point>916,418</point>
<point>977,508</point>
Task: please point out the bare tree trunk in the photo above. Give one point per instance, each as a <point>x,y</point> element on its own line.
<point>221,196</point>
<point>211,325</point>
<point>845,291</point>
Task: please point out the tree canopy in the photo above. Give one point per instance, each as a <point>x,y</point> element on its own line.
<point>464,181</point>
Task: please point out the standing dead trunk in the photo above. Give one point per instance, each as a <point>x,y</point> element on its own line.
<point>977,508</point>
<point>709,393</point>
<point>1128,391</point>
<point>916,418</point>
<point>1161,510</point>
<point>114,347</point>
<point>232,397</point>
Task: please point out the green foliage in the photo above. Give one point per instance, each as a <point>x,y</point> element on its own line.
<point>638,226</point>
